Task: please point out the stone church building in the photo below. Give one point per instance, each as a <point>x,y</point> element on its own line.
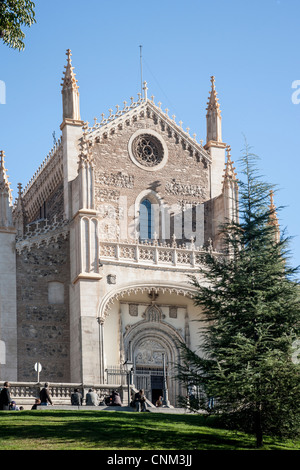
<point>96,250</point>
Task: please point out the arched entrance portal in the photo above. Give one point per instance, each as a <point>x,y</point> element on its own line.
<point>151,368</point>
<point>153,347</point>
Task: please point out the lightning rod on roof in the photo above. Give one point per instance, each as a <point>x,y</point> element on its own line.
<point>141,66</point>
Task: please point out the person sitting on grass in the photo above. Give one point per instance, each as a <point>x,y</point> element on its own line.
<point>13,406</point>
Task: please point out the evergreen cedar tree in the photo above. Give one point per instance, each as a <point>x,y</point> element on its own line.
<point>249,310</point>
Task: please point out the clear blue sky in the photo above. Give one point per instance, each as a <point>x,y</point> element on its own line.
<point>252,48</point>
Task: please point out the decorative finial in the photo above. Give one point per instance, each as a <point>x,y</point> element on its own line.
<point>2,155</point>
<point>69,80</point>
<point>174,244</point>
<point>213,102</point>
<point>69,54</point>
<point>273,219</point>
<point>153,295</point>
<point>272,205</point>
<point>145,88</point>
<point>229,170</point>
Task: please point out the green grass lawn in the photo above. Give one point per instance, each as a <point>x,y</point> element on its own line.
<point>96,430</point>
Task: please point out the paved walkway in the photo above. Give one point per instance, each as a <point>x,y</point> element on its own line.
<point>110,408</point>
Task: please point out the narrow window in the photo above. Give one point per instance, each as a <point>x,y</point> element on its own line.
<point>145,220</point>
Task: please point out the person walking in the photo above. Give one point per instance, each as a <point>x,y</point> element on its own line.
<point>45,396</point>
<point>5,397</point>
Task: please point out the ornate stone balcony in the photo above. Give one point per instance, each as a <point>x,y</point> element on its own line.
<point>155,254</point>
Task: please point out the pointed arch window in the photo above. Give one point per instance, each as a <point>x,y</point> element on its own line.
<point>149,216</point>
<point>146,220</point>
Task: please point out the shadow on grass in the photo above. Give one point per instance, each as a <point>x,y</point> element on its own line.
<point>118,430</point>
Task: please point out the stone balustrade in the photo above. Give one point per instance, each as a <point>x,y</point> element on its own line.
<point>153,253</point>
<point>25,393</point>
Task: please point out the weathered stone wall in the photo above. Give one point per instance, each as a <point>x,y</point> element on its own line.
<point>43,326</point>
<point>182,181</point>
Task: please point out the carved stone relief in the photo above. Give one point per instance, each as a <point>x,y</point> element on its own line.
<point>149,353</point>
<point>119,179</point>
<point>153,314</point>
<point>173,312</point>
<point>133,310</point>
<point>177,188</point>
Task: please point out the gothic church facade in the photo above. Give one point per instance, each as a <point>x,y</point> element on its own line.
<point>96,250</point>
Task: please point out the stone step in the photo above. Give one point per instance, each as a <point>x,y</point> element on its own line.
<point>109,408</point>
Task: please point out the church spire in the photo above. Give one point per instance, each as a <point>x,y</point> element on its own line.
<point>273,219</point>
<point>229,172</point>
<point>4,184</point>
<point>5,195</point>
<point>70,91</point>
<point>213,116</point>
<point>230,189</point>
<point>19,214</point>
<point>214,145</point>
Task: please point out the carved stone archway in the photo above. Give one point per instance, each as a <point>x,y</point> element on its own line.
<point>152,328</point>
<point>125,290</point>
<point>146,342</point>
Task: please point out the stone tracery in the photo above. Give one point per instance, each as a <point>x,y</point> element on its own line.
<point>147,150</point>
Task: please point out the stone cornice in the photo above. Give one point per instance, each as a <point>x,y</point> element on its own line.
<point>71,122</point>
<point>11,230</point>
<point>87,277</point>
<point>85,212</point>
<point>214,143</point>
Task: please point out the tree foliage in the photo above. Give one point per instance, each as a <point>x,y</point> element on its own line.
<point>250,310</point>
<point>14,15</point>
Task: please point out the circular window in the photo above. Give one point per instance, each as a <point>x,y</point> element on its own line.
<point>147,150</point>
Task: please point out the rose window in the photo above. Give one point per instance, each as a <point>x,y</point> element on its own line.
<point>147,150</point>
